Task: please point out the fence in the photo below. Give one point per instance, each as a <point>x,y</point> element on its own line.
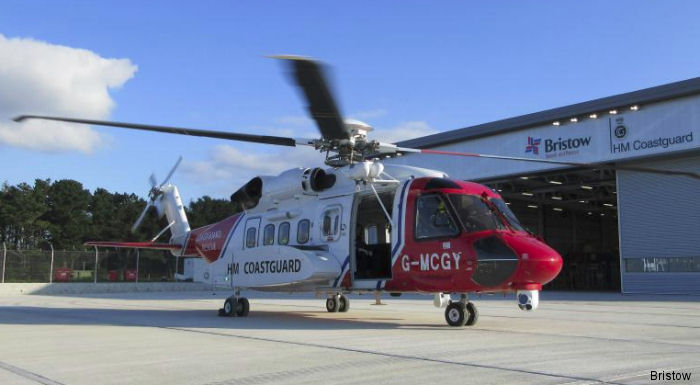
<point>99,265</point>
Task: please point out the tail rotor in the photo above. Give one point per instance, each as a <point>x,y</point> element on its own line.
<point>154,195</point>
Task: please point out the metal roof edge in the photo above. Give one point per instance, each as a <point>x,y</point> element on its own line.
<point>644,96</point>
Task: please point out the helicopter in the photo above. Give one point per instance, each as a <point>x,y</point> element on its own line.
<point>360,225</point>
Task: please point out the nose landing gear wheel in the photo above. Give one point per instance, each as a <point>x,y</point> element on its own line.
<point>455,314</point>
<point>343,304</point>
<point>333,304</point>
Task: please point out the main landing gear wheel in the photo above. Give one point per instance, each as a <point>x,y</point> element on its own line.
<point>235,306</point>
<point>243,307</point>
<point>333,304</point>
<point>229,308</point>
<point>455,314</point>
<point>343,304</point>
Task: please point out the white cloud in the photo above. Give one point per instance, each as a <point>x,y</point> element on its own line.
<point>403,131</point>
<point>48,79</point>
<point>231,167</point>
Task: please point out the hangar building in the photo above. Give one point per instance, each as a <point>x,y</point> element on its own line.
<point>617,230</point>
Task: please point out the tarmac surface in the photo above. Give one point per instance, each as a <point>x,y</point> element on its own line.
<point>177,338</point>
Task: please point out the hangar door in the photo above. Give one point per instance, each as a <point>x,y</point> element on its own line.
<point>660,229</point>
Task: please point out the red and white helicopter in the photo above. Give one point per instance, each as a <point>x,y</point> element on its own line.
<point>359,225</point>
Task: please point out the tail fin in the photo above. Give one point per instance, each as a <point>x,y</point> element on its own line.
<point>171,205</point>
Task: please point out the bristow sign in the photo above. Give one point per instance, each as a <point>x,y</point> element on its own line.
<point>557,147</point>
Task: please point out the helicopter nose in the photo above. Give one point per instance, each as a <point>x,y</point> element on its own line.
<point>541,267</point>
<point>539,263</point>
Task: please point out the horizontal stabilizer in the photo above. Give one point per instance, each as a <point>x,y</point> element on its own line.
<point>135,245</point>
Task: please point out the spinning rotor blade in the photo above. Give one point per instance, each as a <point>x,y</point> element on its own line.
<point>143,215</point>
<point>153,180</point>
<point>565,163</point>
<point>276,140</point>
<point>309,76</point>
<point>170,174</point>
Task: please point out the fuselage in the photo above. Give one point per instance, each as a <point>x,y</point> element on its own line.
<point>429,234</point>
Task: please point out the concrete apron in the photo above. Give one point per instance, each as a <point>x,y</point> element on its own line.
<point>12,289</point>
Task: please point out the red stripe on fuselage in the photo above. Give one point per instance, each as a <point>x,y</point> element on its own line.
<point>208,241</point>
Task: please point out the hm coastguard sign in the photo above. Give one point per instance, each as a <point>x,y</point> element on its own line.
<point>622,142</point>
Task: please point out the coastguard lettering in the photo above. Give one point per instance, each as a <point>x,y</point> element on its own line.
<point>650,144</point>
<point>662,142</point>
<point>209,236</point>
<point>271,267</point>
<point>621,147</point>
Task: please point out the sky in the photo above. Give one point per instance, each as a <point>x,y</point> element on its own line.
<point>408,68</point>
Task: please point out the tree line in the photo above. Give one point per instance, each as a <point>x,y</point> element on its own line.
<point>66,214</point>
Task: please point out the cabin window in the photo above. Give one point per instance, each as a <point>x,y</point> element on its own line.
<point>283,234</point>
<point>330,227</point>
<point>372,235</point>
<point>269,234</point>
<point>303,230</point>
<point>250,237</point>
<point>433,219</point>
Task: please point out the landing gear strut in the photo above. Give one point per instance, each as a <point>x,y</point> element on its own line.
<point>337,303</point>
<point>235,306</point>
<point>461,313</point>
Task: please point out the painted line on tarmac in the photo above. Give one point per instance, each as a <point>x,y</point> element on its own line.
<point>28,375</point>
<point>399,356</point>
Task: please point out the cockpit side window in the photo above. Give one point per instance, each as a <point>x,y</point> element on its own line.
<point>508,214</point>
<point>433,219</point>
<point>475,214</point>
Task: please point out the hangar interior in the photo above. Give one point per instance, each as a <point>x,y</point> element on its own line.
<point>575,212</point>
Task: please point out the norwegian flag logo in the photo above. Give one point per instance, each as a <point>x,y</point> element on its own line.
<point>533,145</point>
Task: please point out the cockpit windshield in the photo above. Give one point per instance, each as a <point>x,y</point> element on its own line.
<point>474,213</point>
<point>508,214</point>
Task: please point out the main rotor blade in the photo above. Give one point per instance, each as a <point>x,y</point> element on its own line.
<point>143,215</point>
<point>276,140</point>
<point>172,171</point>
<point>589,165</point>
<point>309,76</point>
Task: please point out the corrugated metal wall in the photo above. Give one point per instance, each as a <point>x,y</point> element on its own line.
<point>659,217</point>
